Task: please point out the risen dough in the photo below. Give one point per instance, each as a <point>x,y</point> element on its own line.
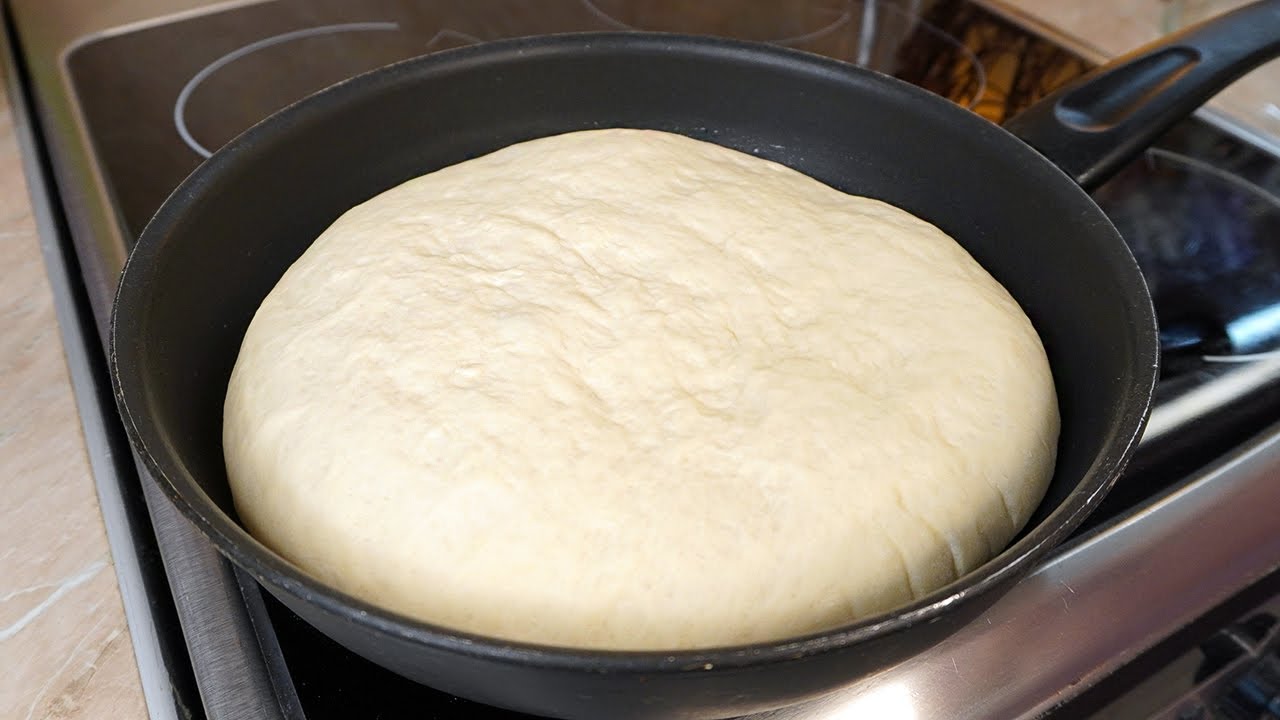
<point>625,389</point>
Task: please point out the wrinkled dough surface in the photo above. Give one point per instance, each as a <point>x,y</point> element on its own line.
<point>624,389</point>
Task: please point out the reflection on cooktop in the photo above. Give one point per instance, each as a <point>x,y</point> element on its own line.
<point>1208,242</point>
<point>888,36</point>
<point>209,78</point>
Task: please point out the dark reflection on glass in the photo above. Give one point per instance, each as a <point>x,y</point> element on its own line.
<point>173,93</point>
<point>1208,242</point>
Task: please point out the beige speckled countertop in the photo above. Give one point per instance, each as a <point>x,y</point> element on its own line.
<point>64,646</point>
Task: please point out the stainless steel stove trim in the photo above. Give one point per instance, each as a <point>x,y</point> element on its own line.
<point>230,667</point>
<point>1092,608</point>
<point>1232,381</point>
<point>277,668</point>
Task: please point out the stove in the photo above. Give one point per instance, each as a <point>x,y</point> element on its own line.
<point>1163,605</point>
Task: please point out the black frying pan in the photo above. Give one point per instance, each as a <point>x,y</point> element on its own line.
<point>226,235</point>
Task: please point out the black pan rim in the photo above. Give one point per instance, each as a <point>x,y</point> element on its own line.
<point>276,572</point>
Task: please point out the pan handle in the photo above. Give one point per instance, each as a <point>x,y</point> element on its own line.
<point>1093,126</point>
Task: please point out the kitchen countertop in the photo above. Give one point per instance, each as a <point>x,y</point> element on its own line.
<point>64,645</point>
<point>63,639</point>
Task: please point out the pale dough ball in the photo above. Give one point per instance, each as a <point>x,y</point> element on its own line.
<point>624,389</point>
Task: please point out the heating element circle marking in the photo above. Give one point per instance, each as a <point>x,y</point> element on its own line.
<point>180,105</point>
